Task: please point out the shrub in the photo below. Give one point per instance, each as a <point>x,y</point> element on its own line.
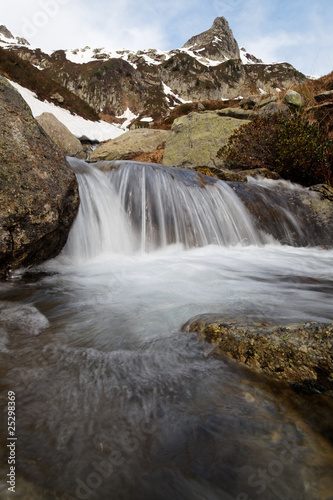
<point>297,150</point>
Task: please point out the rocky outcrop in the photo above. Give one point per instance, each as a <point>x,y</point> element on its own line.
<point>300,354</point>
<point>39,197</point>
<point>324,96</point>
<point>7,36</point>
<point>291,214</point>
<point>217,43</point>
<point>196,138</point>
<point>59,133</point>
<point>130,145</point>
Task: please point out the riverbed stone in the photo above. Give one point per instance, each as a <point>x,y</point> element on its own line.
<point>39,194</point>
<point>196,138</point>
<point>300,353</point>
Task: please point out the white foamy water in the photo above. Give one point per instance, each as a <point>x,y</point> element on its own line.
<point>121,403</point>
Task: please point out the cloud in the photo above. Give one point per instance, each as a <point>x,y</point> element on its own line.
<point>297,31</point>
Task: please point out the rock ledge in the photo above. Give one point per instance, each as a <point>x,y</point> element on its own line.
<point>300,353</point>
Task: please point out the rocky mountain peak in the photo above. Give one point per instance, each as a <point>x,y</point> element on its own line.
<point>217,43</point>
<point>5,32</point>
<point>10,38</point>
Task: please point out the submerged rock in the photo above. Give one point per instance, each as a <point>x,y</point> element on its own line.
<point>300,354</point>
<point>39,196</point>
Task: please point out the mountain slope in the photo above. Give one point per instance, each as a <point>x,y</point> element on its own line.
<point>209,66</point>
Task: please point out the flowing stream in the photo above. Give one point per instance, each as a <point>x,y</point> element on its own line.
<point>114,402</point>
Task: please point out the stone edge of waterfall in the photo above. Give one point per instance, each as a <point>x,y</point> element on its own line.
<point>298,353</point>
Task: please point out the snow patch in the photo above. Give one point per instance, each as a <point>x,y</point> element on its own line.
<point>205,61</point>
<point>81,128</point>
<point>168,91</point>
<point>129,118</point>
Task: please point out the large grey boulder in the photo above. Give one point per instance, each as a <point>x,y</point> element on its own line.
<point>39,196</point>
<point>196,138</point>
<point>293,98</point>
<point>130,145</point>
<point>59,133</point>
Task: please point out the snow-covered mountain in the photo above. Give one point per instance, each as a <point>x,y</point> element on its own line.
<point>147,83</point>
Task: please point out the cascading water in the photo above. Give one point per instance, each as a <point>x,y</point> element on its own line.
<point>161,205</point>
<point>113,401</point>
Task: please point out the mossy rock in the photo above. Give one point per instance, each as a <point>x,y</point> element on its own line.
<point>300,353</point>
<point>196,138</point>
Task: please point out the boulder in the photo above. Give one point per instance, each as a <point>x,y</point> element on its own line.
<point>299,354</point>
<point>59,133</point>
<point>39,195</point>
<point>250,102</point>
<point>130,145</point>
<point>267,100</point>
<point>196,138</point>
<point>273,108</point>
<point>293,98</point>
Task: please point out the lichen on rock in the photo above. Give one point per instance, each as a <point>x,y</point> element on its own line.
<point>300,353</point>
<point>196,138</point>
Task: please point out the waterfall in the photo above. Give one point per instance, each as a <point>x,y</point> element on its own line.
<point>101,225</point>
<point>290,213</point>
<point>113,396</point>
<point>128,207</point>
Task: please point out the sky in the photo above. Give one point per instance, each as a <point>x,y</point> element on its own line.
<point>296,31</point>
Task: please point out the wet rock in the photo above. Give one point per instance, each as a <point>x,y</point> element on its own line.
<point>325,190</point>
<point>22,318</point>
<point>291,214</point>
<point>222,173</point>
<point>130,145</point>
<point>264,173</point>
<point>39,196</point>
<point>300,354</point>
<point>59,133</point>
